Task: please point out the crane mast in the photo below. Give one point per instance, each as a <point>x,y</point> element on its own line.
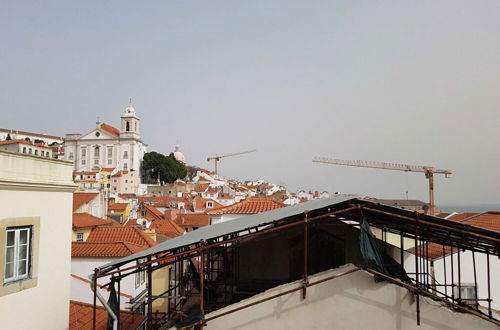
<point>429,171</point>
<point>217,158</point>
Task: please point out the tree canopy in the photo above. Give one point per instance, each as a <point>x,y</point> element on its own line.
<point>167,168</point>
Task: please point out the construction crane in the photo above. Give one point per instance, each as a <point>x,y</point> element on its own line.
<point>217,158</point>
<point>429,171</point>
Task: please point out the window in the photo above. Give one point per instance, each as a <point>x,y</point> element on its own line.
<point>84,152</point>
<point>79,237</point>
<point>17,254</point>
<point>143,213</point>
<point>102,185</point>
<point>127,126</point>
<point>24,150</point>
<point>126,181</point>
<point>96,152</point>
<point>83,161</point>
<point>36,152</point>
<point>210,204</point>
<point>42,153</point>
<point>110,152</point>
<point>96,161</point>
<point>125,154</point>
<point>110,161</point>
<point>108,185</point>
<point>30,151</point>
<point>467,292</point>
<point>125,166</point>
<point>70,157</point>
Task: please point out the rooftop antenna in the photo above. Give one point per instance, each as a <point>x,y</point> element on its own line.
<point>98,121</point>
<point>130,101</point>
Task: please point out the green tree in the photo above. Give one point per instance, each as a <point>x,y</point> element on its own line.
<point>167,168</point>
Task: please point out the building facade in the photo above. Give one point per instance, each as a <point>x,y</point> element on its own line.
<point>35,245</point>
<point>108,147</point>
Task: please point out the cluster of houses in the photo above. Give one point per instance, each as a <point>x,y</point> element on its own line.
<point>80,233</point>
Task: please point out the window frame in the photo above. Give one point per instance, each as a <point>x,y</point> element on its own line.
<point>16,261</point>
<point>79,237</point>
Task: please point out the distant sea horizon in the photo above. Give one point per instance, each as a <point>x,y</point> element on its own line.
<point>460,208</point>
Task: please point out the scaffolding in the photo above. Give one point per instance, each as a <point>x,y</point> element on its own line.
<point>204,275</point>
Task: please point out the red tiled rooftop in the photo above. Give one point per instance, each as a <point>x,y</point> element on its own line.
<point>167,228</point>
<point>104,249</point>
<point>201,203</point>
<point>154,212</point>
<point>81,317</point>
<point>118,207</point>
<point>82,198</point>
<point>7,142</point>
<point>110,129</point>
<point>132,235</point>
<point>82,220</point>
<point>107,169</point>
<point>192,219</point>
<point>201,187</point>
<point>251,205</point>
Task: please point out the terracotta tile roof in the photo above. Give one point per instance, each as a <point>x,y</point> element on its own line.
<point>201,187</point>
<point>201,204</point>
<point>211,191</point>
<point>81,317</point>
<point>81,279</point>
<point>118,207</point>
<point>104,249</point>
<point>132,235</point>
<point>163,201</point>
<point>193,220</point>
<point>82,198</point>
<point>6,142</point>
<point>167,228</point>
<point>154,212</point>
<point>107,169</point>
<point>119,174</point>
<point>127,196</point>
<point>488,220</point>
<point>110,129</point>
<point>82,220</point>
<point>251,205</point>
<point>85,173</point>
<point>13,131</point>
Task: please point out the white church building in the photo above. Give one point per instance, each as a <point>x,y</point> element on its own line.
<point>108,147</point>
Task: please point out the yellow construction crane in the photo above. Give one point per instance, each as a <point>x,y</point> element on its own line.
<point>217,158</point>
<point>429,171</point>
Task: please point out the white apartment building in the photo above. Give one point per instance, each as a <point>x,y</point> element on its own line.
<point>35,245</point>
<point>106,146</point>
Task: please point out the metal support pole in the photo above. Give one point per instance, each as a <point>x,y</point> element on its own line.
<point>452,275</point>
<point>401,252</point>
<point>94,311</point>
<point>489,287</point>
<point>305,277</point>
<point>416,272</point>
<point>459,279</point>
<point>429,175</point>
<point>202,278</point>
<point>150,295</point>
<point>444,265</point>
<point>475,279</point>
<point>119,303</point>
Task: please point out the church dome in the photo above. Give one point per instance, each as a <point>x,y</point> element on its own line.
<point>178,155</point>
<point>129,112</point>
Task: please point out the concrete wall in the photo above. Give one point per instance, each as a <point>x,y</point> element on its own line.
<point>83,267</point>
<point>354,301</point>
<point>41,188</point>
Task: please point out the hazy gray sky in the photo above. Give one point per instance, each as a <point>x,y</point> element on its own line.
<point>400,81</point>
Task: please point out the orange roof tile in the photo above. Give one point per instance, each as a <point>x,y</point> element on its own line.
<point>167,228</point>
<point>132,235</point>
<point>104,249</point>
<point>110,129</point>
<point>193,219</point>
<point>82,198</point>
<point>118,207</point>
<point>81,317</point>
<point>6,142</point>
<point>251,205</point>
<point>201,203</point>
<point>201,187</point>
<point>107,169</point>
<point>82,220</point>
<point>154,212</point>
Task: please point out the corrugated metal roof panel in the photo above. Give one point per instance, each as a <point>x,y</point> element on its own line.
<point>232,226</point>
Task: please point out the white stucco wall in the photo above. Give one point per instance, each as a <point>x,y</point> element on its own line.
<point>354,301</point>
<point>83,267</point>
<point>36,187</point>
